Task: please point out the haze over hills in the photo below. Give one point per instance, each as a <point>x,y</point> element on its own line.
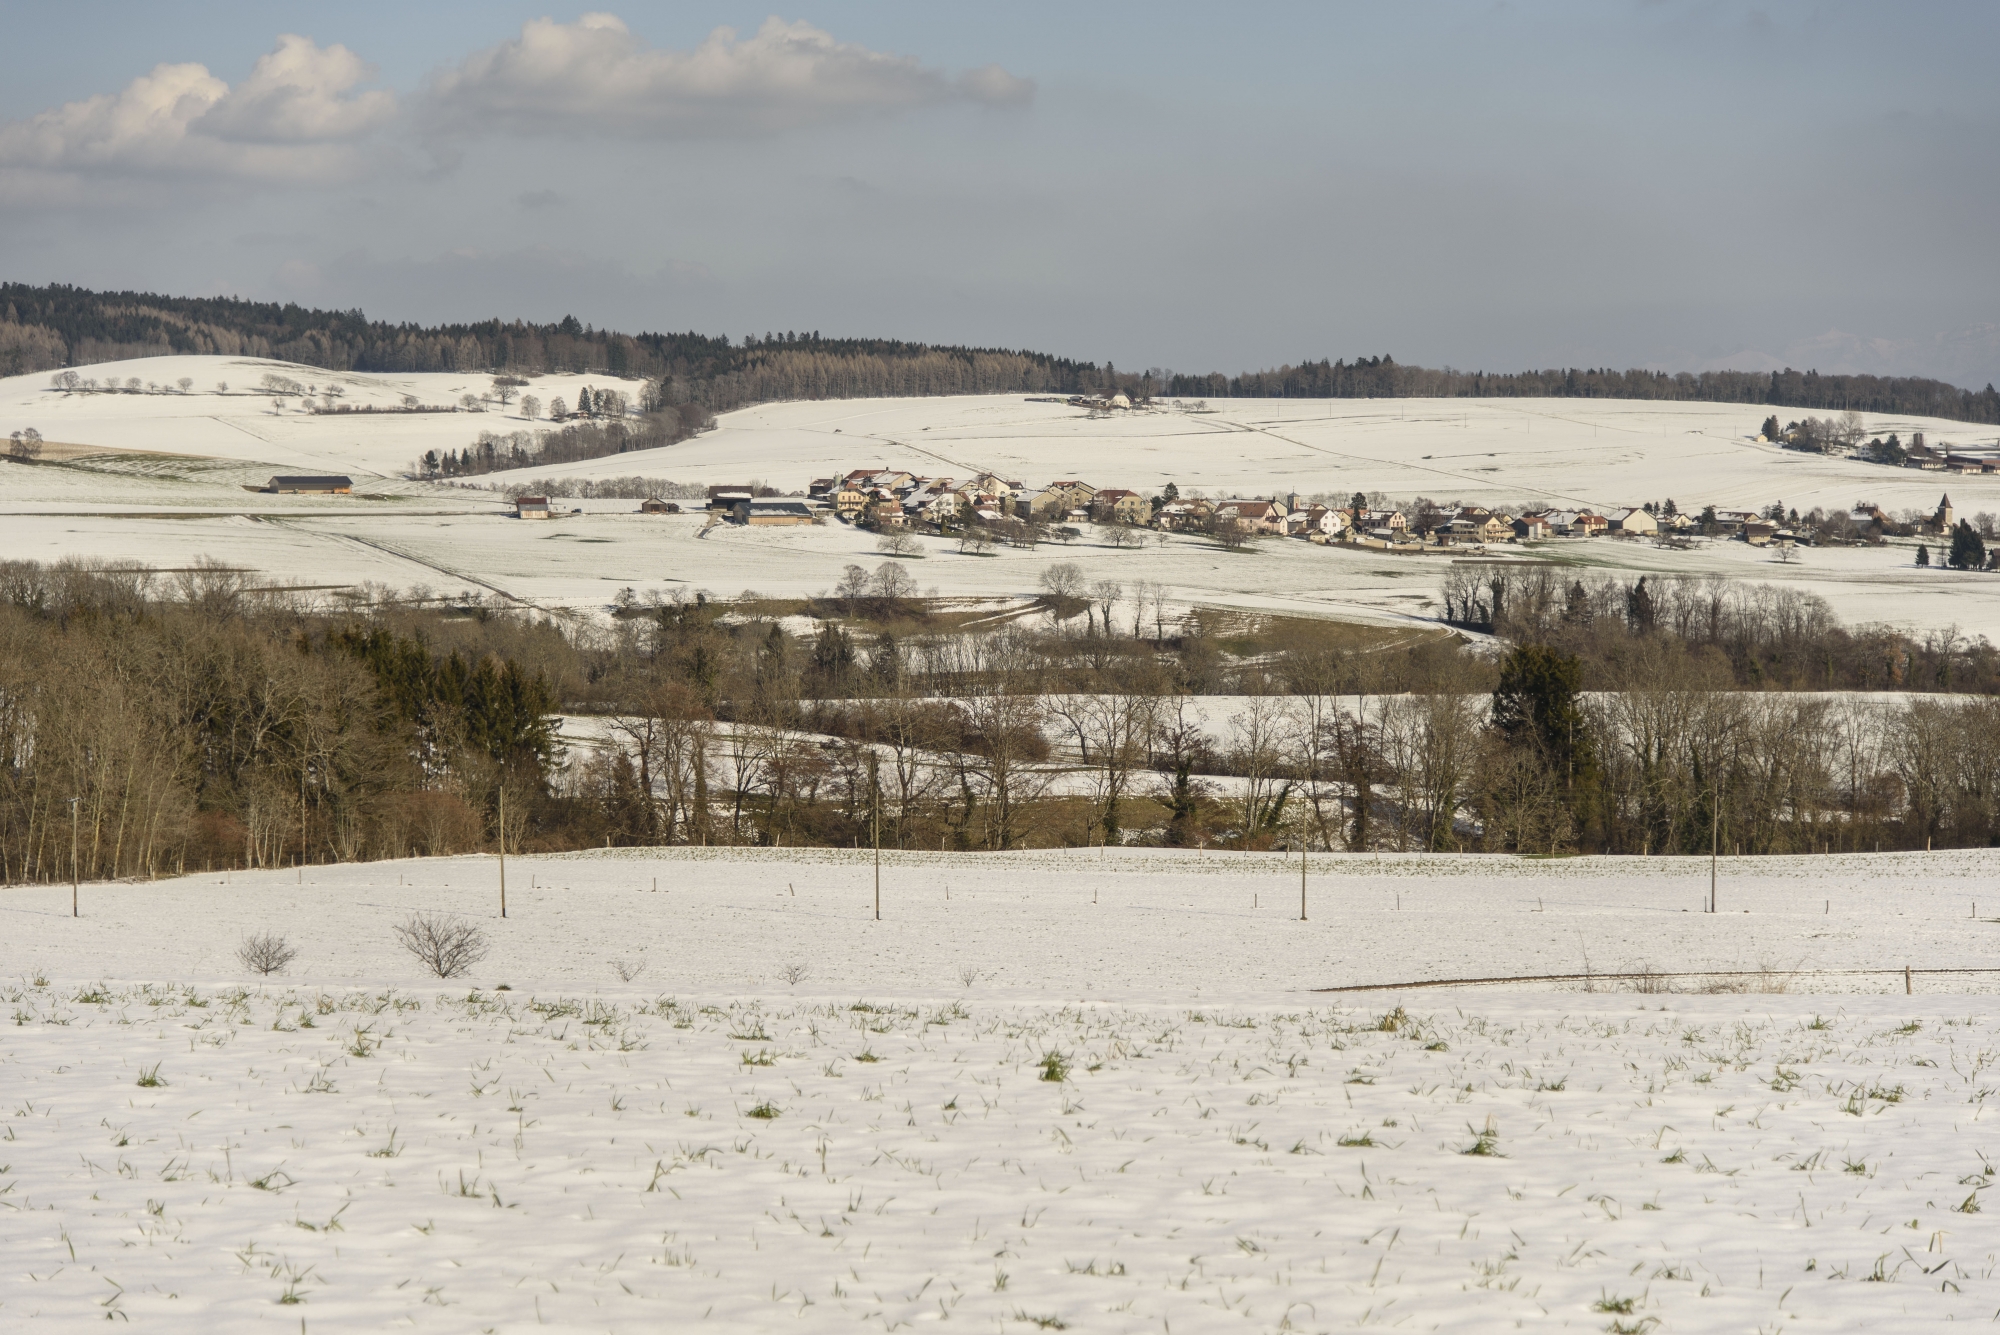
<point>46,328</point>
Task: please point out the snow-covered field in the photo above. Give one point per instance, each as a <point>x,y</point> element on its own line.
<point>1047,1090</point>
<point>160,477</point>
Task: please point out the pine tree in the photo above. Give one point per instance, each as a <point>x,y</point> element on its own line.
<point>1968,552</point>
<point>1923,554</point>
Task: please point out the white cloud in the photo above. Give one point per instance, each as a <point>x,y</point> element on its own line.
<point>595,76</point>
<point>294,116</point>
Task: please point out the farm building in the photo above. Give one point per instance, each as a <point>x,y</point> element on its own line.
<point>310,485</point>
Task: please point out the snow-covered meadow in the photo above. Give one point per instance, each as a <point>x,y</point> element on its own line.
<point>1046,1090</point>
<point>159,478</point>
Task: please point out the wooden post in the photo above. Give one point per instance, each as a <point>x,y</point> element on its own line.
<point>503,849</point>
<point>1906,980</point>
<point>875,803</point>
<point>1302,880</point>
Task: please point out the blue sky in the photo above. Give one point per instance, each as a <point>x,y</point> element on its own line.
<point>1197,187</point>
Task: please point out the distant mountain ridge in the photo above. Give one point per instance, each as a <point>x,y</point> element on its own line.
<point>46,328</point>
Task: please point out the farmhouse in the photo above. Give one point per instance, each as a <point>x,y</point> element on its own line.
<point>310,485</point>
<point>531,507</point>
<point>656,506</point>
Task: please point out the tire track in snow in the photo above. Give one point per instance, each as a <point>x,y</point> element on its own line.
<point>390,549</point>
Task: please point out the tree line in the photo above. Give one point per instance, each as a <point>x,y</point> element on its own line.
<point>45,328</point>
<point>1381,377</point>
<point>158,722</point>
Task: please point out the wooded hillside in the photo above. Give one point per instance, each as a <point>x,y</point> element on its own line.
<point>45,328</point>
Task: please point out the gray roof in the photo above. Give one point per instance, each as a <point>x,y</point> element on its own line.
<point>311,480</point>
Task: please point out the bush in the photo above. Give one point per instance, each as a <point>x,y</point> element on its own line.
<point>445,945</point>
<point>266,953</point>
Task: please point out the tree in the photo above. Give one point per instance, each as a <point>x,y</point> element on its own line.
<point>26,444</point>
<point>1172,493</point>
<point>558,410</point>
<point>1968,552</point>
<point>1770,430</point>
<point>898,542</point>
<point>1539,703</point>
<point>186,383</point>
<point>531,407</point>
<point>1923,554</point>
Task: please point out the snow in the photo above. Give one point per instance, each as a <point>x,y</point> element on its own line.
<point>360,1146</point>
<point>140,457</point>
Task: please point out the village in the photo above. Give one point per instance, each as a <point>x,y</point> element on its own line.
<point>991,509</point>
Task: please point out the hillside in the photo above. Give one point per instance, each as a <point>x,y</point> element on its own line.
<point>45,328</point>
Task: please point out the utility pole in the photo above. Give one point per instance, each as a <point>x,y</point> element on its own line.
<point>503,849</point>
<point>1714,843</point>
<point>72,858</point>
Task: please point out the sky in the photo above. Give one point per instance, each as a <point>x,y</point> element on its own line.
<point>1679,185</point>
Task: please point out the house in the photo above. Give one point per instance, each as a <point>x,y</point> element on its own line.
<point>1182,516</point>
<point>310,485</point>
<point>1971,463</point>
<point>820,488</point>
<point>1481,525</point>
<point>656,506</point>
<point>1588,525</point>
<point>727,497</point>
<point>1121,506</point>
<point>849,500</point>
<point>531,507</point>
<point>774,512</point>
<point>1330,523</point>
<point>1255,516</point>
<point>1531,527</point>
<point>1759,532</point>
<point>885,511</point>
<point>1001,488</point>
<point>1368,521</point>
<point>1076,495</point>
<point>1048,504</point>
<point>1634,524</point>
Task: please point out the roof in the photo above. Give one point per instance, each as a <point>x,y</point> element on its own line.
<point>542,501</point>
<point>311,480</point>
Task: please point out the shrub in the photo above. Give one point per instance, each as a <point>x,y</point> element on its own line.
<point>266,953</point>
<point>444,944</point>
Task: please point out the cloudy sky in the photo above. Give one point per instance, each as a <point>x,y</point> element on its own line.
<point>1496,185</point>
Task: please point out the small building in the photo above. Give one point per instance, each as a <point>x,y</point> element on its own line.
<point>1759,532</point>
<point>1588,525</point>
<point>849,500</point>
<point>656,506</point>
<point>531,507</point>
<point>1531,527</point>
<point>727,497</point>
<point>774,512</point>
<point>310,485</point>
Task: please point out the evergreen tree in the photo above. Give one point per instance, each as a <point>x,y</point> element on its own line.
<point>1968,552</point>
<point>1539,704</point>
<point>1770,430</point>
<point>1923,554</point>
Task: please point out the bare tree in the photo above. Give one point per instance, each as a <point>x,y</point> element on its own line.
<point>898,542</point>
<point>531,407</point>
<point>265,953</point>
<point>444,944</point>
